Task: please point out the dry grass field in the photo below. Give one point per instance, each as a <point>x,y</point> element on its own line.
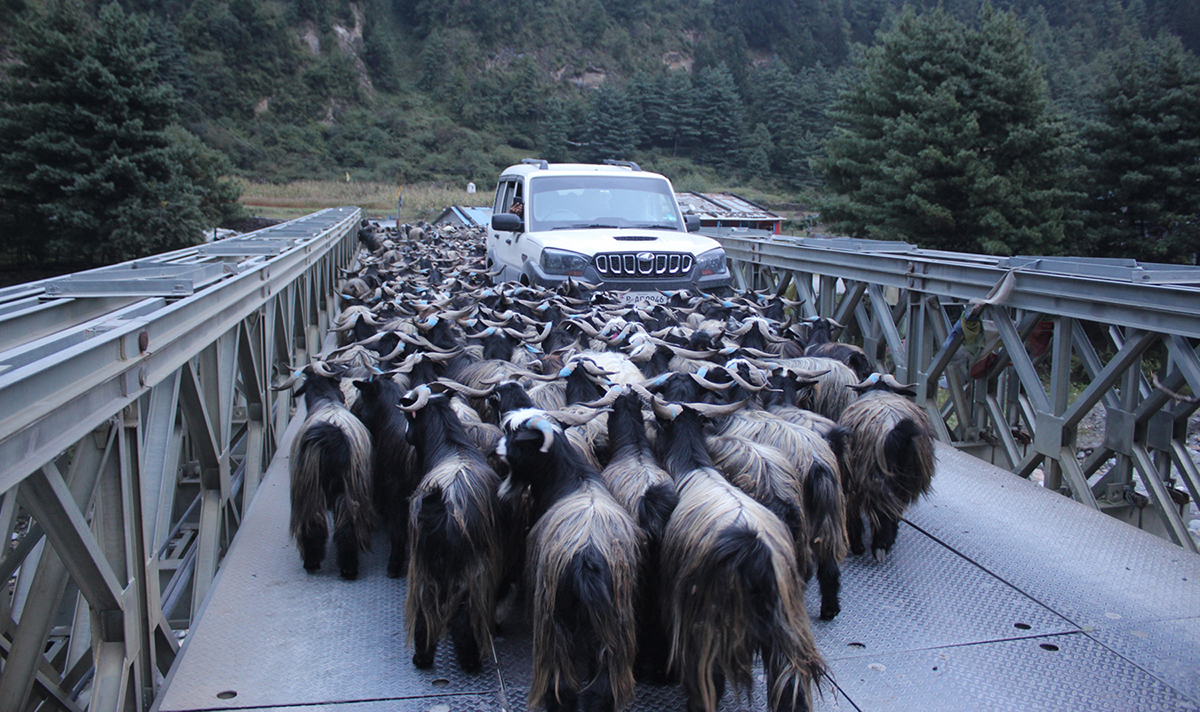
<point>422,201</point>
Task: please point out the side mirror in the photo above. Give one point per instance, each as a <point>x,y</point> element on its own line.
<point>507,222</point>
<point>692,222</point>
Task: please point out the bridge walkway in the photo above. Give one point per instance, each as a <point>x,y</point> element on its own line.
<point>998,595</point>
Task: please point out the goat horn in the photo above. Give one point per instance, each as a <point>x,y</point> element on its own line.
<point>420,396</point>
<point>710,410</point>
<point>607,399</point>
<point>322,369</point>
<point>568,418</point>
<point>710,385</point>
<point>752,387</point>
<point>664,410</point>
<point>465,390</point>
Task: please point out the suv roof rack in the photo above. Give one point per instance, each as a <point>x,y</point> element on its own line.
<point>540,163</point>
<point>628,164</point>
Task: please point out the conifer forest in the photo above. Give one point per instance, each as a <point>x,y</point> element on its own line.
<point>1004,127</point>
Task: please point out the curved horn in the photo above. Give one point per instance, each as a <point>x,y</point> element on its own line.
<point>710,385</point>
<point>664,410</point>
<point>709,410</point>
<point>607,399</point>
<point>420,396</point>
<point>466,390</point>
<point>322,369</point>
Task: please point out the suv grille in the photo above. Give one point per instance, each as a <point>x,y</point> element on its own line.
<point>645,265</point>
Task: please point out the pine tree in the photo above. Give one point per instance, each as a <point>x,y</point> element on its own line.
<point>554,132</point>
<point>610,127</point>
<point>89,173</point>
<point>680,123</point>
<point>759,148</point>
<point>721,116</point>
<point>1145,191</point>
<point>948,140</point>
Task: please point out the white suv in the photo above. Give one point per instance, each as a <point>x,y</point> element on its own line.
<point>614,225</point>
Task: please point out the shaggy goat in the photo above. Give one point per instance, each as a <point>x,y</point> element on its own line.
<point>890,457</point>
<point>455,548</point>
<point>395,462</point>
<point>647,492</point>
<point>330,467</point>
<point>732,588</point>
<point>583,561</point>
<point>821,344</point>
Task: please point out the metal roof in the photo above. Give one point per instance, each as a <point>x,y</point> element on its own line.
<point>726,206</point>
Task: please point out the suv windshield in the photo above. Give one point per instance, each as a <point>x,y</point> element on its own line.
<point>564,202</point>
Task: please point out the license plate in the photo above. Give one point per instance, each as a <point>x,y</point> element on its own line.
<point>651,297</point>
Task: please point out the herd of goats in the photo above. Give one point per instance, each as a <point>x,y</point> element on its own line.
<point>655,482</point>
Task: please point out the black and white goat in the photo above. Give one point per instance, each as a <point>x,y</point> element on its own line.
<point>330,467</point>
<point>891,460</point>
<point>821,344</point>
<point>647,492</point>
<point>732,586</point>
<point>396,470</point>
<point>455,547</point>
<point>583,560</point>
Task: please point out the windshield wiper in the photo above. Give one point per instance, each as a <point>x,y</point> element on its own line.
<point>657,226</point>
<point>583,227</point>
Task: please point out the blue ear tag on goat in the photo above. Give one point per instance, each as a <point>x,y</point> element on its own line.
<point>431,321</point>
<point>874,378</point>
<point>566,371</point>
<point>489,331</point>
<point>703,370</point>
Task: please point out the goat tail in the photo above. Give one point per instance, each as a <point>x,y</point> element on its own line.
<point>793,663</point>
<point>453,557</point>
<point>308,494</point>
<point>583,567</point>
<point>908,452</point>
<point>435,565</point>
<point>718,613</point>
<point>655,509</point>
<point>825,512</point>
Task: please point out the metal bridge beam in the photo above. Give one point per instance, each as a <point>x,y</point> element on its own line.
<point>1023,411</point>
<point>136,430</point>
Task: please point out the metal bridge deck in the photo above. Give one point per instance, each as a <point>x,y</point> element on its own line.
<point>998,595</point>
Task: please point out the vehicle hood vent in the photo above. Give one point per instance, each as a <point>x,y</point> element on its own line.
<point>636,238</point>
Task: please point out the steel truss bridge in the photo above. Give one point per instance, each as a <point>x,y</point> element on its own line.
<point>138,428</point>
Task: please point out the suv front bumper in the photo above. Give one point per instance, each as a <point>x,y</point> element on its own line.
<point>708,283</point>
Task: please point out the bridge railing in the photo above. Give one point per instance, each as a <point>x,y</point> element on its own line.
<point>1011,355</point>
<point>137,421</point>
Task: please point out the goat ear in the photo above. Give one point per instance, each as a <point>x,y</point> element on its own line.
<point>527,436</point>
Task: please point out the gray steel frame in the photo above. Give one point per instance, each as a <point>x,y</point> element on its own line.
<point>901,304</point>
<point>138,422</point>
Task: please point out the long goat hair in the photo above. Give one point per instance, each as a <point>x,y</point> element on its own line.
<point>330,467</point>
<point>891,461</point>
<point>455,549</point>
<point>396,469</point>
<point>648,493</point>
<point>584,556</point>
<point>732,584</point>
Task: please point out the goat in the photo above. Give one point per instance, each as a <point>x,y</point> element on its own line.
<point>890,457</point>
<point>330,466</point>
<point>583,561</point>
<point>455,547</point>
<point>395,462</point>
<point>821,343</point>
<point>647,492</point>
<point>732,587</point>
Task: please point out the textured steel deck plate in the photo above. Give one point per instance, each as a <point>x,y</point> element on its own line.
<point>989,569</point>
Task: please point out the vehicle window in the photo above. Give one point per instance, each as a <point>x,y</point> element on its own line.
<point>504,196</point>
<point>562,202</point>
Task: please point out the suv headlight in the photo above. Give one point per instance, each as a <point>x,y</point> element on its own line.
<point>711,262</point>
<point>562,262</point>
